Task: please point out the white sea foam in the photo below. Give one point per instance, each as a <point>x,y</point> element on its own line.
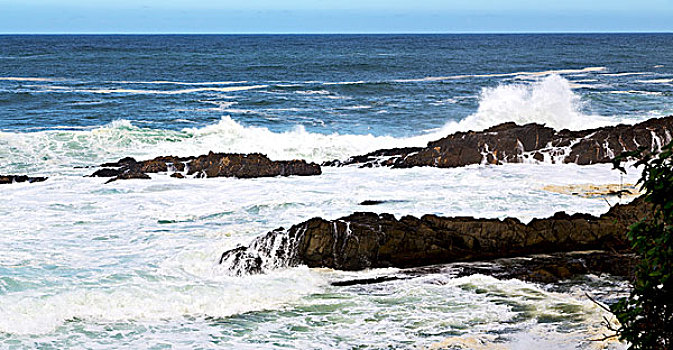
<point>26,79</point>
<point>636,92</point>
<point>585,81</point>
<point>55,151</point>
<point>655,81</point>
<point>135,252</point>
<point>312,92</point>
<point>166,82</point>
<point>221,106</point>
<point>280,84</point>
<point>345,82</point>
<point>625,74</point>
<point>357,107</point>
<point>548,101</point>
<point>500,75</point>
<point>153,301</point>
<point>153,92</point>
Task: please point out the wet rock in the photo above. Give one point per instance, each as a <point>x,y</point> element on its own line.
<point>377,202</point>
<point>209,165</point>
<point>547,268</point>
<point>556,267</point>
<point>369,240</point>
<point>596,191</point>
<point>362,281</point>
<point>9,179</point>
<point>372,202</point>
<point>512,143</point>
<point>106,172</point>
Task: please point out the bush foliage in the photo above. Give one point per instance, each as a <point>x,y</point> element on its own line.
<point>646,315</point>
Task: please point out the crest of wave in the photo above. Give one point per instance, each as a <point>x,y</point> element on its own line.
<point>57,151</point>
<point>230,136</point>
<point>548,101</point>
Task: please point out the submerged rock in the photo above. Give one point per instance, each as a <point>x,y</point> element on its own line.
<point>596,191</point>
<point>546,268</point>
<point>372,202</point>
<point>557,266</point>
<point>9,179</point>
<point>209,165</point>
<point>378,201</point>
<point>530,143</point>
<point>369,240</point>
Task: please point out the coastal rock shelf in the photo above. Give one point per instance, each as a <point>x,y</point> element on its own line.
<point>10,179</point>
<point>369,240</point>
<point>512,143</point>
<point>210,165</point>
<point>540,268</point>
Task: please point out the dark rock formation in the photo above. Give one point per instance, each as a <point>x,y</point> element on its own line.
<point>210,165</point>
<point>555,267</point>
<point>8,179</point>
<point>377,201</point>
<point>372,202</point>
<point>511,143</point>
<point>369,240</point>
<point>547,268</point>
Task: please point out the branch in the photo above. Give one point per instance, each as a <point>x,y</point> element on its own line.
<point>608,325</point>
<point>605,337</point>
<point>606,201</point>
<point>598,303</point>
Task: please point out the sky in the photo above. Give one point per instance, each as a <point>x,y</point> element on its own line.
<point>334,16</point>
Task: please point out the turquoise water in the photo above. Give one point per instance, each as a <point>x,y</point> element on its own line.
<point>134,263</point>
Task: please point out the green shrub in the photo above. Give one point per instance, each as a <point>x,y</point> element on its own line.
<point>646,315</point>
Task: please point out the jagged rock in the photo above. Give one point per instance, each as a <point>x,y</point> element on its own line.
<point>512,143</point>
<point>9,179</point>
<point>369,240</point>
<point>210,165</point>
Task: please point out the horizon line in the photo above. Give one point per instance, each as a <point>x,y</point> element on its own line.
<point>342,33</point>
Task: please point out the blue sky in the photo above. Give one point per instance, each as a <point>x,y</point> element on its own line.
<point>345,16</point>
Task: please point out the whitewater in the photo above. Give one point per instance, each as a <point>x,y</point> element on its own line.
<point>134,264</point>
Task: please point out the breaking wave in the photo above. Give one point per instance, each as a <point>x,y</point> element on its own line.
<point>549,100</point>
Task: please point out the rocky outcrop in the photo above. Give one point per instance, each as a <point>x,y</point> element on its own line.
<point>369,240</point>
<point>540,268</point>
<point>512,143</point>
<point>9,179</point>
<point>209,165</point>
<point>550,268</point>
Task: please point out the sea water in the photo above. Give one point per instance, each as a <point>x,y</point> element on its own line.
<point>135,263</point>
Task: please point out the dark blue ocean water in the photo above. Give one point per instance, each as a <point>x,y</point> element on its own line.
<point>351,84</point>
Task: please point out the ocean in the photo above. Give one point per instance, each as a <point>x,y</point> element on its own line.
<point>134,263</point>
